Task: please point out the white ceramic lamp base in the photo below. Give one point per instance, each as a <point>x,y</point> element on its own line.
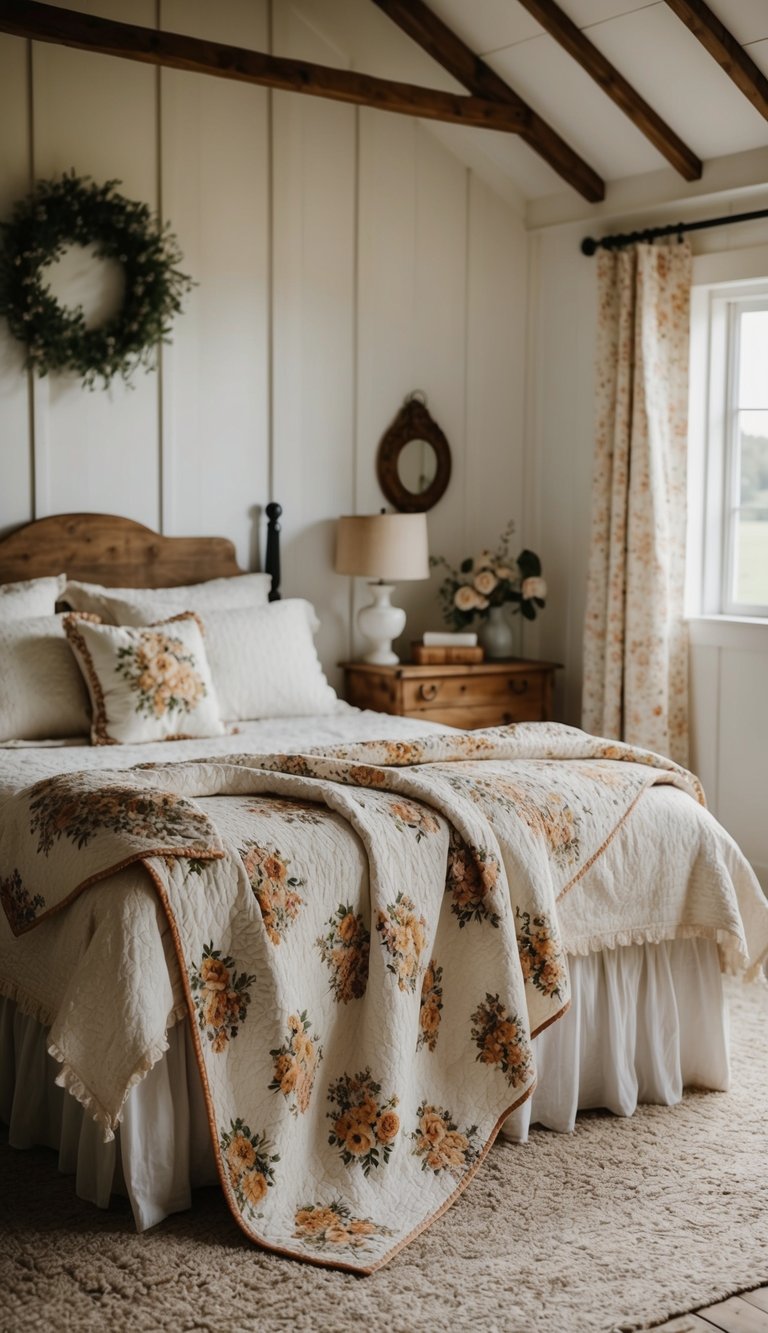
<point>381,622</point>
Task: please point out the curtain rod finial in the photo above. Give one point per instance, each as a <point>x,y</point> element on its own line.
<point>588,246</point>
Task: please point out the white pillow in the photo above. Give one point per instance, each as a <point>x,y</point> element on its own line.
<point>31,597</point>
<point>148,684</point>
<point>158,603</point>
<point>42,694</point>
<point>263,660</point>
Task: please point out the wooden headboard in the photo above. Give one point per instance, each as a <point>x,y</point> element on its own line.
<point>119,553</point>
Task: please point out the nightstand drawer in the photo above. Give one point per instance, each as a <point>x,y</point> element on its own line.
<point>481,715</point>
<point>483,694</point>
<point>370,690</point>
<point>504,692</point>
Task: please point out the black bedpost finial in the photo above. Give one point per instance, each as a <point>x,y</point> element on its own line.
<point>272,557</point>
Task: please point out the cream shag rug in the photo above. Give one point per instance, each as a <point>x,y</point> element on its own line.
<point>618,1227</point>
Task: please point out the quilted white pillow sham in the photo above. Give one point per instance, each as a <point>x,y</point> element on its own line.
<point>42,694</point>
<point>265,664</point>
<point>149,684</point>
<point>158,603</point>
<point>31,597</point>
<point>263,659</point>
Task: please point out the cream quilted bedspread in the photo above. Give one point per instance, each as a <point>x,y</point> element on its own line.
<point>365,959</point>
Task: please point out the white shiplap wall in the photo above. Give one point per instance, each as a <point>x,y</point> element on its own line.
<point>344,257</point>
<point>96,450</point>
<point>214,174</point>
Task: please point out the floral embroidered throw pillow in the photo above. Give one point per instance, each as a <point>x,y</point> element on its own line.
<point>263,658</point>
<point>151,683</point>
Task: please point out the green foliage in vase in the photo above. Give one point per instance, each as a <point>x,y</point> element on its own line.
<point>493,578</point>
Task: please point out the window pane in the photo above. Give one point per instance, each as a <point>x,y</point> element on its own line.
<point>753,359</point>
<point>752,558</point>
<point>753,466</point>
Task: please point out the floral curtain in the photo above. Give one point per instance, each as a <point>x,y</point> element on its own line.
<point>635,640</point>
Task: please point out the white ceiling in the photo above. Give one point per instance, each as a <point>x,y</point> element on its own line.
<point>642,38</point>
<point>651,47</point>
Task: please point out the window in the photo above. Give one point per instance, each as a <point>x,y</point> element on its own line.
<point>745,563</point>
<point>735,477</point>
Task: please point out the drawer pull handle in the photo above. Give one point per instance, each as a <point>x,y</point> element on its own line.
<point>428,692</point>
<point>518,686</point>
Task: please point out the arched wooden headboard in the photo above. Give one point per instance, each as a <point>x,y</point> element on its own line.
<point>120,553</point>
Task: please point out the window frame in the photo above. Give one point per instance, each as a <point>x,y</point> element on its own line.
<point>719,514</point>
<point>732,505</point>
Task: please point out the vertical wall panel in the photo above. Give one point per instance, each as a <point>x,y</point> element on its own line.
<point>16,500</point>
<point>561,445</point>
<point>386,285</point>
<point>440,327</point>
<point>215,190</point>
<point>496,292</point>
<point>742,727</point>
<point>314,319</point>
<point>412,315</point>
<point>704,676</point>
<point>97,450</point>
<point>386,333</point>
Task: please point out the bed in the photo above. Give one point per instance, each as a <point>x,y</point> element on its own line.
<point>642,1018</point>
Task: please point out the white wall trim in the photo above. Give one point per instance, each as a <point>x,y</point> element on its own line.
<point>270,346</point>
<point>737,176</point>
<point>744,633</point>
<point>531,481</point>
<point>32,377</point>
<point>162,488</point>
<point>730,266</point>
<point>39,416</point>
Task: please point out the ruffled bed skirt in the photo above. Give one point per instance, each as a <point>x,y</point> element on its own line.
<point>645,1021</point>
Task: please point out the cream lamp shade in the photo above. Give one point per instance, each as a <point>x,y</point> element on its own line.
<point>387,549</point>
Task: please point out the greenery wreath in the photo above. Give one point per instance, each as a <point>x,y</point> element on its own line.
<point>74,210</point>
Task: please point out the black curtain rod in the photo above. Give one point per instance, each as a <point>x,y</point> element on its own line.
<point>589,245</point>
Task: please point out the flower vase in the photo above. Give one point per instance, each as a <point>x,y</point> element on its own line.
<point>498,635</point>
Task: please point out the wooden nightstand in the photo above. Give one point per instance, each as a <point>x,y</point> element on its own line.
<point>486,695</point>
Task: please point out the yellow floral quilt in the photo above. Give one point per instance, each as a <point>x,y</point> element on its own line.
<point>360,1037</point>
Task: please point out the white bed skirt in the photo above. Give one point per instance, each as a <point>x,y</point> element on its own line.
<point>645,1021</point>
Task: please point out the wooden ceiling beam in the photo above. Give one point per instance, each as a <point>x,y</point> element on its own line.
<point>723,47</point>
<point>564,30</point>
<point>440,42</point>
<point>66,27</point>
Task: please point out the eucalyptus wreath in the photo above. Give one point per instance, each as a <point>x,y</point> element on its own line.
<point>74,210</point>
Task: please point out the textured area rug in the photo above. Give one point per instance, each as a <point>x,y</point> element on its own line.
<point>617,1227</point>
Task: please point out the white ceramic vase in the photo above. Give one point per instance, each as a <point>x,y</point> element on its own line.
<point>500,634</point>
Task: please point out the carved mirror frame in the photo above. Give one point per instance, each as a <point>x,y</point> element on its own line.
<point>413,422</point>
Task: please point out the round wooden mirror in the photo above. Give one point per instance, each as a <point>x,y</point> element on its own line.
<point>413,463</point>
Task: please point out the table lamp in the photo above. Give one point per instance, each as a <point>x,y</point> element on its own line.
<point>384,548</point>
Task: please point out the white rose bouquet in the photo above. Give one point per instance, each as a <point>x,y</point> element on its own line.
<point>491,579</point>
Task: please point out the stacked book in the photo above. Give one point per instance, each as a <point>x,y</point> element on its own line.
<point>439,648</point>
